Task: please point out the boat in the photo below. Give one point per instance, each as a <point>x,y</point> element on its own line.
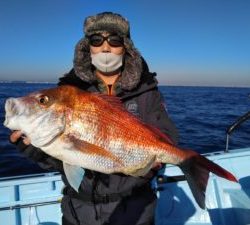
<point>31,199</point>
<point>35,199</point>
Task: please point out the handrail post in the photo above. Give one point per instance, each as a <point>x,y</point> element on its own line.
<point>235,125</point>
<point>227,143</point>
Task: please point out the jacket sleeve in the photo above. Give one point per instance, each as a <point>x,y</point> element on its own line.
<point>41,158</point>
<point>155,114</point>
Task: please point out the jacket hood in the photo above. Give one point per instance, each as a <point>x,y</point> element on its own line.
<point>131,70</point>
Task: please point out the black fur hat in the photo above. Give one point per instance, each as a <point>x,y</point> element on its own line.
<point>111,23</point>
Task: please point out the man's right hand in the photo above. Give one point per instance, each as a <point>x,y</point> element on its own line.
<point>18,134</point>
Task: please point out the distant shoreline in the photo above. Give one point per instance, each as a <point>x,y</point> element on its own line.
<point>160,85</point>
<point>28,82</point>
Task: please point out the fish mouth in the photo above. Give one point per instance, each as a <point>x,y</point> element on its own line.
<point>10,106</point>
<point>11,110</point>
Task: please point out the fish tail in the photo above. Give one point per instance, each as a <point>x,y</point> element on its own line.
<point>196,169</point>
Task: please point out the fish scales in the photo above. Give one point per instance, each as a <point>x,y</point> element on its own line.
<point>107,128</point>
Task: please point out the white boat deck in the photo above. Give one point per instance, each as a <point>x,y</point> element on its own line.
<point>35,199</point>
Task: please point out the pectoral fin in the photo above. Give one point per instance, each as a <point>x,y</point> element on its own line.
<point>74,175</point>
<point>92,149</point>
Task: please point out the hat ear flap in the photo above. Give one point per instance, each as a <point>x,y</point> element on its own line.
<point>82,61</point>
<point>132,68</point>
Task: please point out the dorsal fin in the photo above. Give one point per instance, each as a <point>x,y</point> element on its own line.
<point>161,135</point>
<point>111,99</point>
<point>117,103</point>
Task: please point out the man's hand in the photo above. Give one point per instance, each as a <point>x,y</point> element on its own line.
<point>156,166</point>
<point>18,134</point>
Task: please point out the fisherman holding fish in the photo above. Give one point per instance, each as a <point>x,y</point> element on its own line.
<point>107,151</point>
<point>107,61</point>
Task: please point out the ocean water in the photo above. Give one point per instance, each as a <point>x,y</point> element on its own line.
<point>201,114</point>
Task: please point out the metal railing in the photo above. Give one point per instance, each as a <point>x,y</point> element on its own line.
<point>234,126</point>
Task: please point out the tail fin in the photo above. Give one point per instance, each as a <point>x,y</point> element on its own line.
<point>196,169</point>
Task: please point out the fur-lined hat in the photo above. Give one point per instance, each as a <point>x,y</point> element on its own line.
<point>111,23</point>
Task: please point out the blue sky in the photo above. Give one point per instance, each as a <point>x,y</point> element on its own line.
<point>187,42</point>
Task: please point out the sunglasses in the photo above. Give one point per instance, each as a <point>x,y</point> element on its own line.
<point>97,40</point>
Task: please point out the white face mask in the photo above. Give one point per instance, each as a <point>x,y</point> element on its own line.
<point>106,61</point>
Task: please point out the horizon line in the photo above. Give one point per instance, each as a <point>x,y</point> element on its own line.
<point>170,85</point>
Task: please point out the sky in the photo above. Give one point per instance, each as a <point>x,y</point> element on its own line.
<point>186,42</point>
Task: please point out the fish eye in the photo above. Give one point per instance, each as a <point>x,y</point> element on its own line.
<point>43,99</point>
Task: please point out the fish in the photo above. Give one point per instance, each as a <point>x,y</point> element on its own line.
<point>87,130</point>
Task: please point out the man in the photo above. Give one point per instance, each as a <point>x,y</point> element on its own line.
<point>106,61</point>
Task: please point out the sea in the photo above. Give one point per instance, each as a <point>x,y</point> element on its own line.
<point>201,114</point>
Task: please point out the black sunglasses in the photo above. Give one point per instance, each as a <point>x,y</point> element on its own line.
<point>97,40</point>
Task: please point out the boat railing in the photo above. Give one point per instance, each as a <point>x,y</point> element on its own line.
<point>161,179</point>
<point>29,205</point>
<point>234,126</point>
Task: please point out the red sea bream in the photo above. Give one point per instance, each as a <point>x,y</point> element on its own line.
<point>94,131</point>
